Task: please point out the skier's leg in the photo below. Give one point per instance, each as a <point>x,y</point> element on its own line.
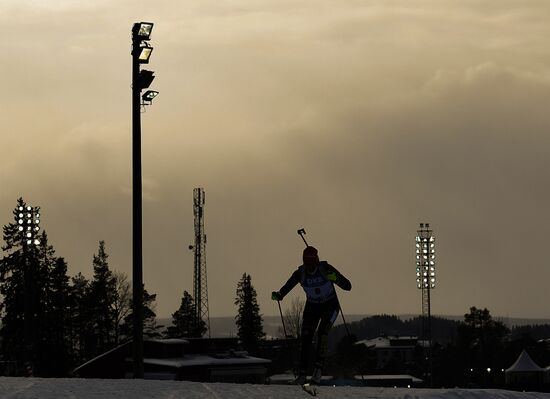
<point>327,320</point>
<point>310,320</point>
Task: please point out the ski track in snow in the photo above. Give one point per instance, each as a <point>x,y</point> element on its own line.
<point>76,388</point>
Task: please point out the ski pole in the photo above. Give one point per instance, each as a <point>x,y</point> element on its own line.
<point>349,335</point>
<point>301,233</point>
<point>286,336</point>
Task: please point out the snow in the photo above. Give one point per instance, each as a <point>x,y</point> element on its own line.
<point>71,388</point>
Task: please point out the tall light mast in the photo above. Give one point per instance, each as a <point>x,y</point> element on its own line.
<point>425,281</point>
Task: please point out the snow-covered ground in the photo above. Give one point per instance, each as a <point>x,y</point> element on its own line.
<point>38,388</point>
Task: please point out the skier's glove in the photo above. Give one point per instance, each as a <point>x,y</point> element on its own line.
<point>331,276</point>
<point>276,296</point>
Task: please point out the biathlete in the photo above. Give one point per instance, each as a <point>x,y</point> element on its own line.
<point>317,278</point>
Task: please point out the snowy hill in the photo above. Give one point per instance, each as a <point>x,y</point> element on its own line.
<point>27,388</point>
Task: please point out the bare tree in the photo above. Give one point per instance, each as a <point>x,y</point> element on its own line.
<point>122,304</point>
<point>293,317</point>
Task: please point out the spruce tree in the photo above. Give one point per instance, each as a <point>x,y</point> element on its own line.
<point>184,320</point>
<point>249,320</point>
<point>55,334</point>
<point>15,283</point>
<point>80,319</point>
<point>102,292</point>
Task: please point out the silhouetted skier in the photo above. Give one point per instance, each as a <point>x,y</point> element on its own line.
<point>317,278</point>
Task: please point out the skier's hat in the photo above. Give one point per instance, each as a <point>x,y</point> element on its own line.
<point>310,252</point>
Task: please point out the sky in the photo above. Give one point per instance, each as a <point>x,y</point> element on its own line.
<point>355,120</point>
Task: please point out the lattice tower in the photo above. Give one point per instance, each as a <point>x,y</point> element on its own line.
<point>200,286</point>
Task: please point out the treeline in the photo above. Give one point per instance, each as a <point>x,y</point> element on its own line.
<point>51,322</point>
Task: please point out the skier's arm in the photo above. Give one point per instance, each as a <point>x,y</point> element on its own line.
<point>338,278</point>
<point>290,284</point>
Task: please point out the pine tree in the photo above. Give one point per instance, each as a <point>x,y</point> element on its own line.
<point>150,327</point>
<point>102,292</point>
<point>249,321</point>
<point>184,320</point>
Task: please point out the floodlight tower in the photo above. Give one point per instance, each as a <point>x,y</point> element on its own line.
<point>28,220</point>
<point>141,79</point>
<point>200,286</point>
<point>425,281</point>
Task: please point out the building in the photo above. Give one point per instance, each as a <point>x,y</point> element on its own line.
<point>392,350</point>
<point>201,360</point>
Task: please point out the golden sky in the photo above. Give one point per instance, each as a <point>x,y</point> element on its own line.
<point>355,120</point>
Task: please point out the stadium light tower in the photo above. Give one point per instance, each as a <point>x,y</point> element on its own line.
<point>425,281</point>
<point>28,221</point>
<point>141,79</point>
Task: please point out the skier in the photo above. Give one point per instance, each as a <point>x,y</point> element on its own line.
<point>317,278</point>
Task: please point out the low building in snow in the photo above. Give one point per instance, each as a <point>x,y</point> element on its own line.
<point>201,360</point>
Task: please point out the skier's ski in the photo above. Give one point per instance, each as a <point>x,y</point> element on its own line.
<point>310,388</point>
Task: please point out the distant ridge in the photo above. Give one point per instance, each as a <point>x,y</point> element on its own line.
<point>224,327</point>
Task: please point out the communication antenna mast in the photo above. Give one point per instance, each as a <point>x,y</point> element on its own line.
<point>200,286</point>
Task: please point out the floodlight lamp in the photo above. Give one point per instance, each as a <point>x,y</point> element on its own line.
<point>37,228</point>
<point>29,208</point>
<point>20,221</point>
<point>145,79</point>
<point>29,235</point>
<point>36,242</point>
<point>417,239</point>
<point>419,286</point>
<point>20,228</point>
<point>29,242</point>
<point>433,286</point>
<point>432,239</point>
<point>37,221</point>
<point>29,215</point>
<point>145,54</point>
<point>21,208</point>
<point>143,30</point>
<point>149,95</point>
